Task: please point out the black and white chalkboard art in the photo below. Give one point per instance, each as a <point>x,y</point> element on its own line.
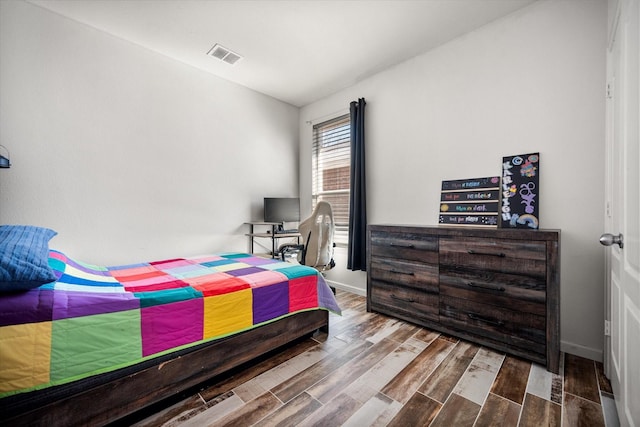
<point>471,202</point>
<point>520,191</point>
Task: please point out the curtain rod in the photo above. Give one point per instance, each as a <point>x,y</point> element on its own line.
<point>326,117</point>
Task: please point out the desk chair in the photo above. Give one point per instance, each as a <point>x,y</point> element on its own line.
<point>317,245</point>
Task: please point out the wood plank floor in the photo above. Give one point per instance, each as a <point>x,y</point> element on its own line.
<point>373,370</point>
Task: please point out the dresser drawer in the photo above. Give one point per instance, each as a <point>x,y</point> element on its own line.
<point>508,256</point>
<point>405,302</point>
<point>410,274</point>
<point>405,246</point>
<point>512,327</point>
<point>518,292</point>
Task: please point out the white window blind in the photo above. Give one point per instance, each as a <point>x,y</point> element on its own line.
<point>332,171</point>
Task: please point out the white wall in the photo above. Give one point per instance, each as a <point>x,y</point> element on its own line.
<point>531,82</point>
<point>130,155</point>
<point>156,159</point>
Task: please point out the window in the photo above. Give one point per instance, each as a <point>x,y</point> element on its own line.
<point>332,171</point>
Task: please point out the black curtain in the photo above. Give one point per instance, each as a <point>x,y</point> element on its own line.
<point>357,257</point>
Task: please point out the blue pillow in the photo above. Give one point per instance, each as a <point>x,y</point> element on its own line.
<point>24,257</point>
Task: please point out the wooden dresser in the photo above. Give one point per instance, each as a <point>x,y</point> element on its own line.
<point>496,287</point>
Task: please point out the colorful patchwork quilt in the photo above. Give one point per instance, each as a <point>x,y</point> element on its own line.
<point>97,319</point>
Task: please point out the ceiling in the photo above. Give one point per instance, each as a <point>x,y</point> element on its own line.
<point>297,51</point>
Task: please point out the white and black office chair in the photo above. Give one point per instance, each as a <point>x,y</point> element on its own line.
<point>317,245</point>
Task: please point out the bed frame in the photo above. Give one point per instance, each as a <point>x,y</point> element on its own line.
<point>108,397</point>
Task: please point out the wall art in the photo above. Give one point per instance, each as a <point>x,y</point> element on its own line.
<point>470,202</point>
<point>520,191</point>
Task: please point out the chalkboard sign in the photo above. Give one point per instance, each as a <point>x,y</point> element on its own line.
<point>471,202</point>
<point>520,191</point>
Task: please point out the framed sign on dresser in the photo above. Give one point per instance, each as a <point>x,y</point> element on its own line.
<point>496,287</point>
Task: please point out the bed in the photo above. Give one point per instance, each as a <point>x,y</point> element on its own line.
<point>88,344</point>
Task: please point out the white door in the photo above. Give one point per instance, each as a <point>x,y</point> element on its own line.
<point>622,347</point>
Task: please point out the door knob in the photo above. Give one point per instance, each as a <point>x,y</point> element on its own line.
<point>608,239</point>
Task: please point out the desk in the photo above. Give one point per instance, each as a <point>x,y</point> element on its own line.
<point>270,235</point>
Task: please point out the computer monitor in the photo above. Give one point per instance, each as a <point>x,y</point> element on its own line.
<point>281,209</point>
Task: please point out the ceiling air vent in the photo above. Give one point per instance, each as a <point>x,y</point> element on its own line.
<point>224,54</point>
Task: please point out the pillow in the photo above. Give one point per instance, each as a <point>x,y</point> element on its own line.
<point>24,257</point>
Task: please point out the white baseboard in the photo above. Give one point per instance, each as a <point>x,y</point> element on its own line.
<point>582,351</point>
<point>347,288</point>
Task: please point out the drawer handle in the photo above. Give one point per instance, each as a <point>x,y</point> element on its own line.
<point>408,273</point>
<point>401,245</point>
<point>489,287</point>
<point>485,320</point>
<point>498,254</point>
<point>393,296</point>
